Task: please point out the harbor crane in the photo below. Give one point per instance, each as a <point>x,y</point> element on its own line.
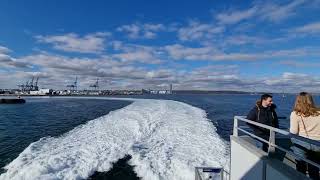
<point>73,87</point>
<point>95,86</point>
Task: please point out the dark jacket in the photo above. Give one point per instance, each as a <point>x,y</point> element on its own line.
<point>267,116</point>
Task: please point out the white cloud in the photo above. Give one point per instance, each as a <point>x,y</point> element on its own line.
<point>269,11</point>
<point>297,52</point>
<point>57,71</point>
<point>254,40</point>
<point>141,31</point>
<point>131,53</point>
<point>299,64</point>
<point>138,56</point>
<point>286,78</point>
<point>236,16</point>
<point>312,28</point>
<point>132,66</point>
<point>133,30</point>
<point>4,50</point>
<point>244,40</point>
<point>276,13</point>
<point>90,43</point>
<point>180,52</point>
<point>161,73</point>
<point>291,79</point>
<point>154,27</point>
<point>293,82</point>
<point>62,64</point>
<point>219,33</point>
<point>197,31</point>
<point>6,61</point>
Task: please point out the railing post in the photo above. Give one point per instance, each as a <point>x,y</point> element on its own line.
<point>197,174</point>
<point>272,141</point>
<point>235,126</point>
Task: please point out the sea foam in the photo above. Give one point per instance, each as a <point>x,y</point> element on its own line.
<point>166,139</point>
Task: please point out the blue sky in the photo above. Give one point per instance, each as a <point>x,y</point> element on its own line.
<point>208,45</point>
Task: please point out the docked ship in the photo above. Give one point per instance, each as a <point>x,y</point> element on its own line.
<point>12,101</point>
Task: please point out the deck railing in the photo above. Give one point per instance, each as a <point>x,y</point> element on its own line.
<point>272,146</point>
<point>207,173</point>
<point>271,143</point>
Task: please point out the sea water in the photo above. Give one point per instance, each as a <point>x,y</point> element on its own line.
<point>71,138</point>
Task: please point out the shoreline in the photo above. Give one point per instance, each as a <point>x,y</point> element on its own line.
<point>125,95</point>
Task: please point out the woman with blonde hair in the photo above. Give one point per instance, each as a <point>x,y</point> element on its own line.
<point>305,121</point>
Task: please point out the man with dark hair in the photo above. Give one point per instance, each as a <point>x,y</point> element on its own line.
<point>264,112</point>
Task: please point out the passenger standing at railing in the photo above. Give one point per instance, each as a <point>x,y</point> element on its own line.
<point>305,121</point>
<point>263,112</point>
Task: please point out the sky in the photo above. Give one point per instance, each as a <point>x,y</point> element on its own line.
<point>271,46</point>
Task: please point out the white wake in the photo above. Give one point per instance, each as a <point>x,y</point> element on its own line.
<point>166,139</point>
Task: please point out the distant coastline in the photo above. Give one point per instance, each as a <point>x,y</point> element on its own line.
<point>210,92</point>
<point>184,92</point>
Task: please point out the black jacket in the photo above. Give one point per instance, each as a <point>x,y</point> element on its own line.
<point>267,116</point>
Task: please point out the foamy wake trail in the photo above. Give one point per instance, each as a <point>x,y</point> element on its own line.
<point>166,139</point>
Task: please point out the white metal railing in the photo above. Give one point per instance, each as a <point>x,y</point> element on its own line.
<point>271,142</point>
<point>211,173</point>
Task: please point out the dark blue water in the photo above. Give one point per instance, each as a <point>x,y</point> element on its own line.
<point>21,125</point>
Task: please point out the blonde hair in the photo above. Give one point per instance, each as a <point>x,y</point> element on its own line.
<point>305,106</point>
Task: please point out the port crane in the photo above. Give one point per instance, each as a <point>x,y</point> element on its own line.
<point>74,86</point>
<point>95,86</point>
